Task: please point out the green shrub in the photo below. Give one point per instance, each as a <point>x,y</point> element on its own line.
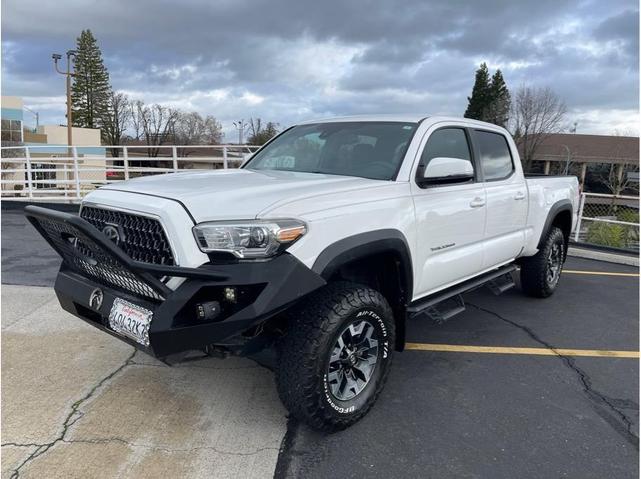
<point>628,215</point>
<point>607,234</point>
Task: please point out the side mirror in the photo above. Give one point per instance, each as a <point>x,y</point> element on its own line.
<point>443,170</point>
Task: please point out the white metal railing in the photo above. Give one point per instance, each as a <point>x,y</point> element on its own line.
<point>608,220</point>
<point>62,173</point>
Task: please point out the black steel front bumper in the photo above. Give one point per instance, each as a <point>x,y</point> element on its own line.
<point>90,261</point>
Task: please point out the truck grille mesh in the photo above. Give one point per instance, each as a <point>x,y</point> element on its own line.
<point>143,238</point>
<point>87,257</point>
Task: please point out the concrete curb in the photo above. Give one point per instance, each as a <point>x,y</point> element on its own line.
<point>603,256</point>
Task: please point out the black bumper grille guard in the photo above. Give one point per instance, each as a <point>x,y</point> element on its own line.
<point>143,238</point>
<point>87,251</point>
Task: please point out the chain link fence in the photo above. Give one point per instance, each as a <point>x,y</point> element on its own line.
<point>608,220</point>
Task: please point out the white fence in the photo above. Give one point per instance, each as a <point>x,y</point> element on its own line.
<point>608,220</point>
<point>34,173</point>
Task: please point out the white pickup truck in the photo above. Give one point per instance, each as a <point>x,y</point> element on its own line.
<point>323,243</point>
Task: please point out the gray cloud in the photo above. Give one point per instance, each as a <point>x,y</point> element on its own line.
<point>287,60</point>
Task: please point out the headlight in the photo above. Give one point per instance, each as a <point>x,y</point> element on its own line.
<point>248,239</point>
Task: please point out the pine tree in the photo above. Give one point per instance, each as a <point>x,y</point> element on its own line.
<point>91,89</point>
<point>498,109</point>
<point>480,94</point>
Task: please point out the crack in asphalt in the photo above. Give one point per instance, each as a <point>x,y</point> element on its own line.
<point>598,398</point>
<point>17,444</point>
<point>106,440</point>
<point>284,464</point>
<point>70,420</point>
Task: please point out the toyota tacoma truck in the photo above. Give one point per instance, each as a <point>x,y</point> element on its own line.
<point>322,245</point>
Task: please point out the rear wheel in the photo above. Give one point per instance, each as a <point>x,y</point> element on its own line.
<point>335,356</point>
<point>540,273</point>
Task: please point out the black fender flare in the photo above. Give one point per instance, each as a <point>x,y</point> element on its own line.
<point>362,245</point>
<point>558,207</point>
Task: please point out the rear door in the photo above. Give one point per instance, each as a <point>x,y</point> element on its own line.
<point>506,196</point>
<point>450,218</point>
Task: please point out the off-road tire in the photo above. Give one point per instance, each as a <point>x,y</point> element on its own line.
<point>535,270</point>
<point>305,352</point>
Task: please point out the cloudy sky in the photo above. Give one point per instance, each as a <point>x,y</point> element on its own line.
<point>287,60</point>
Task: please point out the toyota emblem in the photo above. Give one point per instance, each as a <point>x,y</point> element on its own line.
<point>111,232</point>
<point>95,299</point>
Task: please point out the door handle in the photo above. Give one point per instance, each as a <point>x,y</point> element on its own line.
<point>477,202</point>
<point>519,196</point>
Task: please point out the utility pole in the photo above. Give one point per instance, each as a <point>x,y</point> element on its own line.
<point>240,126</point>
<point>70,54</point>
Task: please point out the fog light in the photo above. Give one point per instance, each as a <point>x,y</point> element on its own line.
<point>230,294</point>
<point>208,311</point>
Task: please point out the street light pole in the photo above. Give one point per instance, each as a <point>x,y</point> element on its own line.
<point>68,74</point>
<point>567,161</point>
<point>240,126</point>
<point>36,114</point>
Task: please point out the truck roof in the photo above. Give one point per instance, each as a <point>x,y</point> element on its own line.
<point>408,118</point>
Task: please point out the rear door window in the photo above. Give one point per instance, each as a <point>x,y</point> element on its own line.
<point>494,153</point>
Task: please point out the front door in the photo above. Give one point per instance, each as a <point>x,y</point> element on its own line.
<point>450,217</point>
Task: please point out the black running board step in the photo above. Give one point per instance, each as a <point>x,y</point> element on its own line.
<point>418,306</point>
<point>441,312</point>
<point>501,284</point>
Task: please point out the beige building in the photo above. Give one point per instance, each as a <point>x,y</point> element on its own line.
<point>52,167</point>
<point>590,158</point>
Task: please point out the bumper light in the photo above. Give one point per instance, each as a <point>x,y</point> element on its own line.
<point>208,311</point>
<point>248,239</point>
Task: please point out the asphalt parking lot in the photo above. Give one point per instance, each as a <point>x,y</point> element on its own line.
<point>78,403</point>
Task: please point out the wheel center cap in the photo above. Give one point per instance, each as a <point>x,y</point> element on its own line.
<point>352,359</point>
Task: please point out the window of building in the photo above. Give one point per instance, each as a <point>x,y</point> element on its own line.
<point>40,178</point>
<point>11,130</point>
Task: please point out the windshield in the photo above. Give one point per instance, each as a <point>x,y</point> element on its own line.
<point>366,149</point>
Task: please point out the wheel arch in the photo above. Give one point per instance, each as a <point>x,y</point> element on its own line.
<point>559,215</point>
<point>380,259</point>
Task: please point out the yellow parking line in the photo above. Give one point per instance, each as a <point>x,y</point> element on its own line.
<point>455,348</point>
<point>602,273</point>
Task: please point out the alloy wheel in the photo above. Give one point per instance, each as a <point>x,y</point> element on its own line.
<point>353,360</point>
<point>554,264</point>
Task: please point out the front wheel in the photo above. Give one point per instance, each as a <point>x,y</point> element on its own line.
<point>540,273</point>
<point>335,356</point>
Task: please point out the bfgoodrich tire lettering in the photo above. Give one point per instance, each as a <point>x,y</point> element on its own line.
<point>308,355</point>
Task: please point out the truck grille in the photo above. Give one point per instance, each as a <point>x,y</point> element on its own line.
<point>140,237</point>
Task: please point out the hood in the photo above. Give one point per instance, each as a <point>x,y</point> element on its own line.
<point>238,193</point>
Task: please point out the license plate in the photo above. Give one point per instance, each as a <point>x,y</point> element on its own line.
<point>130,320</point>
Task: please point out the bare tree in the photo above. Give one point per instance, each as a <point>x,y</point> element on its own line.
<point>116,120</point>
<point>138,111</point>
<point>536,114</point>
<point>192,129</point>
<point>618,179</point>
<point>261,133</point>
<point>154,124</point>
